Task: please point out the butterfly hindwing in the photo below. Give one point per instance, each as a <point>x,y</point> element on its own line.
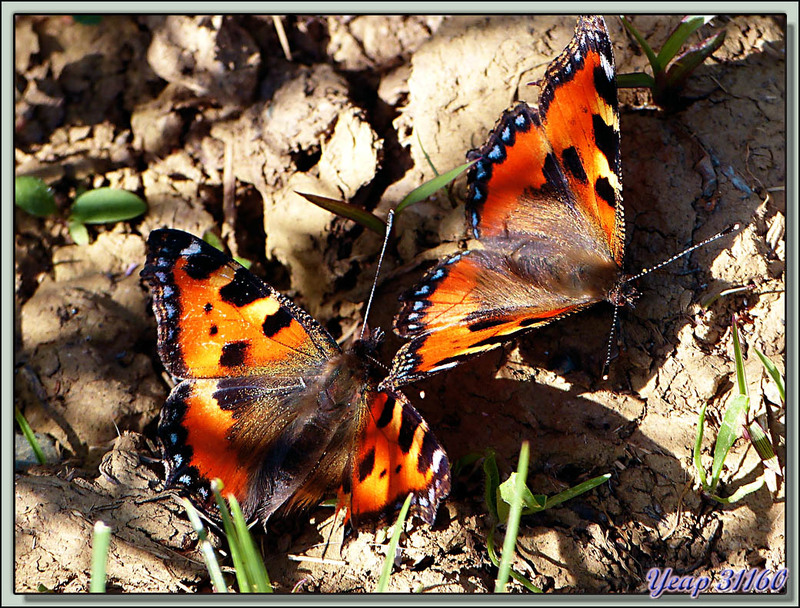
<point>475,301</point>
<point>396,455</point>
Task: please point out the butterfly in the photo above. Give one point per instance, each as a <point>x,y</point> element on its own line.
<point>545,210</point>
<point>270,404</point>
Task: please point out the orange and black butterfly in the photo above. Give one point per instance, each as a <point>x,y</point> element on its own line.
<point>271,405</point>
<point>545,209</point>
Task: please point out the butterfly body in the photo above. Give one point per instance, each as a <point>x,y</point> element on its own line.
<point>271,405</point>
<point>545,211</point>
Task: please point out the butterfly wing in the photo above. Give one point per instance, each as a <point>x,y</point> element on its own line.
<point>284,416</point>
<point>396,454</point>
<point>216,318</point>
<point>248,355</point>
<point>566,151</point>
<point>545,204</point>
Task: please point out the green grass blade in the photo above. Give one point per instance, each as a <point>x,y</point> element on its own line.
<point>576,490</point>
<point>34,196</point>
<point>688,26</point>
<point>242,574</point>
<point>253,562</point>
<point>773,373</point>
<point>386,572</point>
<point>515,575</point>
<point>425,190</point>
<point>492,483</point>
<point>351,212</point>
<point>651,56</point>
<point>27,431</point>
<point>741,379</point>
<point>512,525</point>
<point>105,205</point>
<point>206,549</point>
<point>698,444</point>
<point>425,154</point>
<point>100,542</point>
<point>728,432</point>
<point>741,492</point>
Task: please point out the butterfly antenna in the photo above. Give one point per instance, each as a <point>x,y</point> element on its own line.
<point>389,222</point>
<point>727,231</point>
<point>607,364</point>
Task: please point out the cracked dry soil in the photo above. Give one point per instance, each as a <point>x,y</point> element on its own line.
<point>207,120</point>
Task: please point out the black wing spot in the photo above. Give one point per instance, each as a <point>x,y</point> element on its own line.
<point>607,139</point>
<point>213,331</point>
<point>485,324</point>
<point>605,191</point>
<point>208,307</point>
<point>607,89</point>
<point>573,164</point>
<point>276,322</point>
<point>387,413</point>
<point>234,353</point>
<point>366,466</point>
<point>201,266</point>
<point>407,428</point>
<point>240,291</point>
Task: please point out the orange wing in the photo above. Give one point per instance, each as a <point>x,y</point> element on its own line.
<point>566,151</point>
<point>396,455</point>
<point>215,318</point>
<point>545,205</point>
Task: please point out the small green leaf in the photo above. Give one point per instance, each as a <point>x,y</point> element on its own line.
<point>210,237</point>
<point>253,563</point>
<point>728,433</point>
<point>386,571</point>
<point>635,81</point>
<point>506,493</point>
<point>239,568</point>
<point>32,195</point>
<point>684,65</point>
<point>680,35</point>
<point>512,525</point>
<point>427,158</point>
<point>741,492</point>
<point>78,232</point>
<point>737,359</point>
<point>490,549</point>
<point>763,446</point>
<point>105,205</point>
<point>351,212</point>
<point>651,56</point>
<point>774,374</point>
<point>425,190</point>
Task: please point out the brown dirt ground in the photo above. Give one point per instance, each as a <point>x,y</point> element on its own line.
<point>206,119</point>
